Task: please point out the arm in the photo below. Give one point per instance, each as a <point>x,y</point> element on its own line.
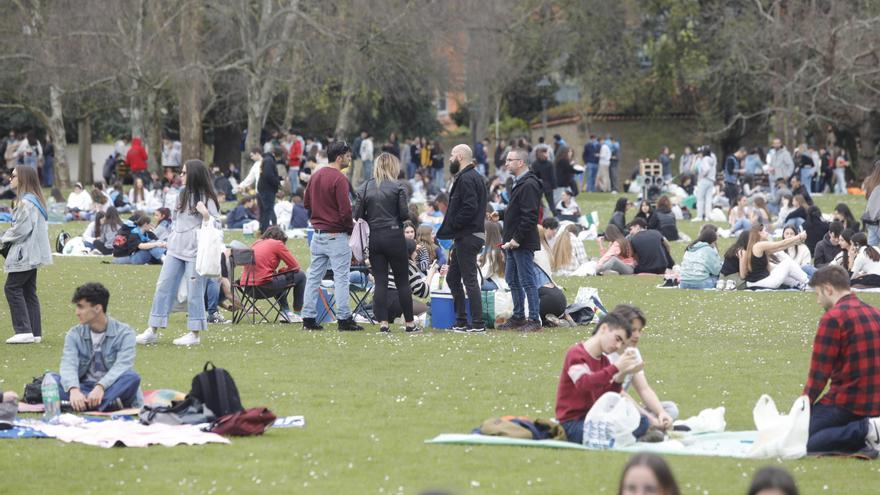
<point>22,224</point>
<point>528,213</point>
<point>769,247</point>
<point>124,358</point>
<point>288,258</point>
<point>251,178</point>
<point>640,383</point>
<point>743,264</point>
<point>344,204</point>
<point>69,369</point>
<point>613,250</point>
<point>587,381</point>
<point>826,347</point>
<point>402,204</point>
<point>714,266</point>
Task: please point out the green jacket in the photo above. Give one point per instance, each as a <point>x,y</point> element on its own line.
<point>700,262</point>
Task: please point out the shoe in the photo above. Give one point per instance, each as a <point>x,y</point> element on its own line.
<point>556,322</point>
<point>290,317</point>
<point>148,336</point>
<point>37,340</point>
<point>21,338</point>
<point>216,317</point>
<point>359,318</point>
<point>191,338</point>
<point>512,324</point>
<point>720,285</point>
<point>731,285</point>
<point>530,326</point>
<point>413,329</point>
<point>95,252</point>
<point>696,220</point>
<point>477,330</point>
<point>309,324</point>
<point>384,330</point>
<point>460,328</point>
<point>872,439</point>
<point>348,325</point>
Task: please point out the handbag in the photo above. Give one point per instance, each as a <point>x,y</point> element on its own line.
<point>359,242</point>
<point>253,421</point>
<point>209,250</point>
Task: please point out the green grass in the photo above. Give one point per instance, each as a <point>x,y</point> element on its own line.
<point>370,400</point>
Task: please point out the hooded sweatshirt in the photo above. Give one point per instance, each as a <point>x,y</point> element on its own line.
<point>137,156</point>
<point>700,262</point>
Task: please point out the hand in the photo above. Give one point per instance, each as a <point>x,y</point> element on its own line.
<point>665,420</point>
<point>77,400</point>
<point>627,362</point>
<point>444,269</point>
<point>10,396</point>
<point>494,216</point>
<point>511,244</point>
<point>96,396</point>
<point>201,208</point>
<point>802,236</point>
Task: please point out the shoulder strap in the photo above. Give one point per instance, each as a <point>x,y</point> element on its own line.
<point>36,202</point>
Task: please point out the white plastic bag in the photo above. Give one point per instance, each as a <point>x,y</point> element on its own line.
<point>708,421</point>
<point>780,435</point>
<point>359,241</point>
<point>210,249</point>
<point>610,422</point>
<point>589,297</point>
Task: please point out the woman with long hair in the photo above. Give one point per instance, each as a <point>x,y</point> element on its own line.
<point>844,215</point>
<point>740,217</point>
<point>618,218</point>
<point>140,196</point>
<point>567,253</point>
<point>565,170</point>
<point>729,278</point>
<point>437,159</point>
<point>101,233</point>
<point>196,204</point>
<point>871,215</point>
<point>491,260</point>
<point>664,220</point>
<point>754,262</point>
<point>27,249</point>
<point>647,473</point>
<point>701,263</point>
<point>866,263</point>
<point>645,211</point>
<point>815,227</point>
<point>619,257</point>
<point>772,480</point>
<point>382,201</point>
<point>800,253</point>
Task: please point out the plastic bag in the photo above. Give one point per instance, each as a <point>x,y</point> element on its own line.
<point>360,240</point>
<point>708,421</point>
<point>589,296</point>
<point>780,435</point>
<point>610,422</point>
<point>210,249</point>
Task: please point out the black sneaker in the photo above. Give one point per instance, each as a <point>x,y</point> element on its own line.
<point>413,329</point>
<point>460,329</point>
<point>348,325</point>
<point>216,317</point>
<point>309,324</point>
<point>384,330</point>
<point>512,324</point>
<point>530,326</point>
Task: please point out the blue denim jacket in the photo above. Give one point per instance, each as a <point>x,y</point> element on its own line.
<point>118,350</point>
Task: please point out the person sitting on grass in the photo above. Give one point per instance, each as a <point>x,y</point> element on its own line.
<point>829,247</point>
<point>816,227</point>
<point>648,474</point>
<point>243,213</point>
<point>97,364</point>
<point>299,216</point>
<point>660,414</point>
<point>701,263</point>
<point>163,224</point>
<point>618,258</point>
<point>800,253</point>
<point>618,218</point>
<point>650,248</point>
<point>101,232</point>
<point>729,278</point>
<point>587,374</point>
<point>664,220</point>
<point>266,279</point>
<point>845,349</point>
<point>567,254</point>
<point>568,208</point>
<point>141,247</point>
<point>866,262</point>
<point>754,262</point>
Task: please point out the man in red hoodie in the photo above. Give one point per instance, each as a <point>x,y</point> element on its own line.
<point>294,161</point>
<point>137,160</point>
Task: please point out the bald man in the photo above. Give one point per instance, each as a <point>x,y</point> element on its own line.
<point>464,223</point>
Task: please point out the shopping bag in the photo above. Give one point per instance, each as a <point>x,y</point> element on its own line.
<point>780,435</point>
<point>210,249</point>
<point>611,422</point>
<point>488,304</point>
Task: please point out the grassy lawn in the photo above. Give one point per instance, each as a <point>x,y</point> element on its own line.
<point>370,400</point>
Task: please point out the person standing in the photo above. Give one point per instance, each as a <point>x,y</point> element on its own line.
<point>614,167</point>
<point>366,155</point>
<point>845,352</point>
<point>382,201</point>
<point>520,236</point>
<point>28,242</point>
<point>437,159</point>
<point>464,223</point>
<point>666,164</point>
<point>136,158</point>
<point>327,198</point>
<point>196,204</point>
<point>591,159</point>
<point>294,161</point>
<point>603,177</point>
<point>871,217</point>
<point>780,163</point>
<point>732,167</point>
<point>543,169</point>
<point>49,163</point>
<point>267,188</point>
<point>705,183</point>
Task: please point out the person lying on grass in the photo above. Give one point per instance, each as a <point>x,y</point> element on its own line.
<point>660,414</point>
<point>587,374</point>
<point>97,365</point>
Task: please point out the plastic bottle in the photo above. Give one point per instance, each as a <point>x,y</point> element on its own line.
<point>51,399</point>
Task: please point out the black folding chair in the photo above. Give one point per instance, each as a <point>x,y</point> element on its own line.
<point>360,293</point>
<point>246,296</point>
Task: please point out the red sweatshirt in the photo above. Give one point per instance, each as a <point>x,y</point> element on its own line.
<point>268,255</point>
<point>327,199</point>
<point>580,388</point>
<point>136,158</point>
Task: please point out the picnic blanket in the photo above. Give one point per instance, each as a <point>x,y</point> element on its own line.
<point>736,444</point>
<point>124,433</point>
<point>21,431</point>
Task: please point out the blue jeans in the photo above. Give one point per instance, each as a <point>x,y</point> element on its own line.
<point>834,429</point>
<point>574,429</point>
<point>124,388</point>
<point>411,170</point>
<point>368,170</point>
<point>329,251</point>
<point>873,234</point>
<point>797,222</point>
<point>519,273</point>
<point>809,270</point>
<point>212,294</point>
<point>840,180</point>
<point>807,177</point>
<point>141,257</point>
<point>175,270</point>
<point>438,178</point>
<point>709,283</point>
<point>592,171</point>
<point>293,179</point>
<point>740,225</point>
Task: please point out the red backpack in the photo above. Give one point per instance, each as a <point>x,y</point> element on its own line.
<point>253,421</point>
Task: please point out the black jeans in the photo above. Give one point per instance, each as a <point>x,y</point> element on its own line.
<point>552,301</point>
<point>388,249</point>
<point>24,306</point>
<point>266,202</point>
<point>462,277</point>
<point>280,285</point>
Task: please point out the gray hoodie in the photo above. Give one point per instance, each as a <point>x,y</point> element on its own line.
<point>29,237</point>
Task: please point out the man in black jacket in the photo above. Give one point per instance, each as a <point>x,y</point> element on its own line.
<point>267,188</point>
<point>828,248</point>
<point>544,170</point>
<point>650,248</point>
<point>464,223</point>
<point>520,236</point>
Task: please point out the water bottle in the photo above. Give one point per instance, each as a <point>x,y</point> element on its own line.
<point>51,399</point>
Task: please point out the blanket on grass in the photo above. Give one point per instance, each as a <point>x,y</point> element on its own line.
<point>124,433</point>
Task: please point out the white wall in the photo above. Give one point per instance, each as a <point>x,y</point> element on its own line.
<point>100,152</point>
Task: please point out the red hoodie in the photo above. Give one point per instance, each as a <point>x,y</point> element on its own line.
<point>137,156</point>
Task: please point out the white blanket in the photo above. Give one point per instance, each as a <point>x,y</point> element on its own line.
<point>126,433</point>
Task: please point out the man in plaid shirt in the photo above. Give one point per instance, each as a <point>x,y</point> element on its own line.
<point>846,350</point>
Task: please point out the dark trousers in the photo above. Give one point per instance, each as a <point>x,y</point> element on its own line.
<point>731,190</point>
<point>394,309</point>
<point>614,174</point>
<point>574,429</point>
<point>462,277</point>
<point>388,249</point>
<point>280,286</point>
<point>266,202</point>
<point>834,429</point>
<point>24,306</point>
<point>551,206</point>
<point>552,301</point>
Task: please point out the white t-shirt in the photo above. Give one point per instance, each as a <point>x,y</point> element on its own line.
<point>863,265</point>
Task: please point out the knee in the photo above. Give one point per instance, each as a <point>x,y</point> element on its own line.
<point>671,409</point>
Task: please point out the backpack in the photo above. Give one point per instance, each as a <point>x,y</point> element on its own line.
<point>216,389</point>
<point>61,240</point>
<point>126,241</point>
<point>253,421</point>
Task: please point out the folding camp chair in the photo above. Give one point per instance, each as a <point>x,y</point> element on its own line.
<point>360,293</point>
<point>246,296</point>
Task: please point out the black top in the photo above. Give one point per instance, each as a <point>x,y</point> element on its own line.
<point>650,252</point>
<point>467,205</point>
<point>664,221</point>
<point>564,172</point>
<point>618,220</point>
<point>816,231</point>
<point>383,206</point>
<point>269,181</point>
<point>759,270</point>
<point>544,170</point>
<point>824,253</point>
<point>521,215</point>
<point>803,192</point>
<point>730,265</point>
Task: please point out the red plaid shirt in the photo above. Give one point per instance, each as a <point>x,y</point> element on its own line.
<point>847,351</point>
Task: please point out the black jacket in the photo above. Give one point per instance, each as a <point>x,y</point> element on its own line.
<point>521,216</point>
<point>544,171</point>
<point>650,252</point>
<point>564,173</point>
<point>824,252</point>
<point>383,207</point>
<point>466,213</point>
<point>664,221</point>
<point>269,181</point>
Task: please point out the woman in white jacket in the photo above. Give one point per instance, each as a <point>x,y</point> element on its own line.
<point>800,253</point>
<point>866,265</point>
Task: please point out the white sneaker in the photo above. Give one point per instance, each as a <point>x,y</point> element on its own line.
<point>192,338</point>
<point>720,285</point>
<point>21,338</point>
<point>872,439</point>
<point>37,340</point>
<point>359,318</point>
<point>148,336</point>
<point>291,317</point>
<point>697,220</point>
<point>731,285</point>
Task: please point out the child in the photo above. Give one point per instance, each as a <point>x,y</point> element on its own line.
<point>587,374</point>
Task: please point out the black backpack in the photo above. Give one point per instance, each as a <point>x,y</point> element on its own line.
<point>216,389</point>
<point>126,242</point>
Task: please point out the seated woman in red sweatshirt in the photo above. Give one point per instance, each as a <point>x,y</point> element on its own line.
<point>587,374</point>
<point>269,252</point>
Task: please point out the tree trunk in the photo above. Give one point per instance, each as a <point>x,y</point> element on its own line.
<point>190,90</point>
<point>59,137</point>
<point>154,131</point>
<point>136,112</point>
<point>289,108</point>
<point>84,130</point>
<point>347,112</point>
